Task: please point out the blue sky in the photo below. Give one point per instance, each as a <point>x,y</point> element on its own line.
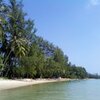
<point>73,25</point>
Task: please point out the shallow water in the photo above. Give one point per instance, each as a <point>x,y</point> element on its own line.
<point>73,90</point>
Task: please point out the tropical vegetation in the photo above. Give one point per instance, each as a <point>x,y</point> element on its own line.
<point>23,54</point>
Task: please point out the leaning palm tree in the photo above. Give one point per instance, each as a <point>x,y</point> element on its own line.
<point>12,36</point>
<point>15,35</point>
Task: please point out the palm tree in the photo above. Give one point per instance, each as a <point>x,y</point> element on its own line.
<point>12,35</point>
<point>15,34</point>
<point>19,46</point>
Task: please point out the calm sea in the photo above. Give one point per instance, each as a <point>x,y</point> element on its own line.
<point>73,90</point>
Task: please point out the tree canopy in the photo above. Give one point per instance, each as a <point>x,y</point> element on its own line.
<point>23,54</point>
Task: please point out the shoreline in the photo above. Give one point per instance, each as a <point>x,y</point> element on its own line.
<point>10,84</point>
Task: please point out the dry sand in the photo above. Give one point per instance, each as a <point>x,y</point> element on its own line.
<point>9,84</point>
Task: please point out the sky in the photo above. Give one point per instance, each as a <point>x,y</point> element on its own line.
<point>73,25</point>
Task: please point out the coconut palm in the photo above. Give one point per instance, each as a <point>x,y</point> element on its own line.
<point>13,35</point>
<point>18,46</point>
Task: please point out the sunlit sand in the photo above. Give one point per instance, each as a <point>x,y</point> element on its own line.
<point>9,84</point>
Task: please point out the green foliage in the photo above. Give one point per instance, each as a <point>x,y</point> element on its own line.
<point>1,64</point>
<point>26,55</point>
<point>34,61</point>
<point>94,76</point>
<point>15,35</point>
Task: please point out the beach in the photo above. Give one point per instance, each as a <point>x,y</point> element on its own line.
<point>9,84</point>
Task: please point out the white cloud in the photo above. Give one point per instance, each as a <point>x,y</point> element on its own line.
<point>92,3</point>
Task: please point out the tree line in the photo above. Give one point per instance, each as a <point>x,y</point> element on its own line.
<point>23,54</point>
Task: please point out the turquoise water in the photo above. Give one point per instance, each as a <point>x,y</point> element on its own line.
<point>75,90</point>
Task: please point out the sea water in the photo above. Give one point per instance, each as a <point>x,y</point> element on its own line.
<point>72,90</point>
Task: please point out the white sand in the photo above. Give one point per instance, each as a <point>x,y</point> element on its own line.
<point>9,84</point>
